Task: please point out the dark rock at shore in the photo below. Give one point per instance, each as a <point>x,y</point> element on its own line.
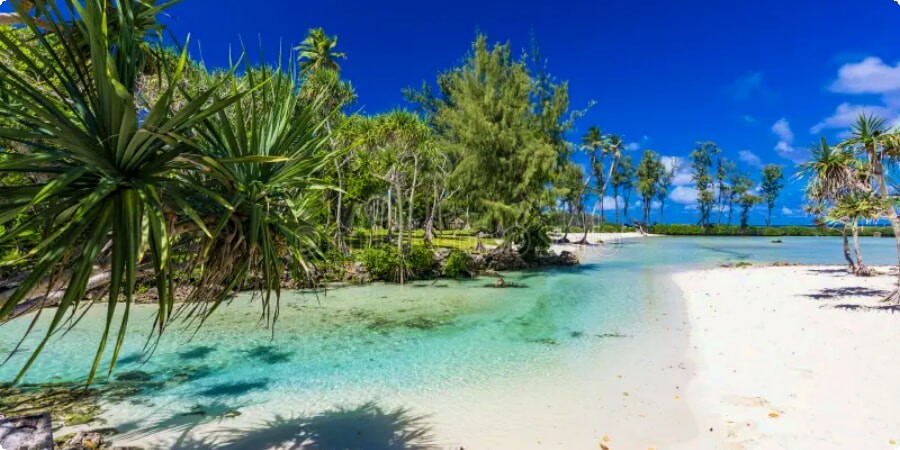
<point>564,258</point>
<point>27,432</point>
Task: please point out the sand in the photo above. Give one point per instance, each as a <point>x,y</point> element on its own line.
<point>792,358</point>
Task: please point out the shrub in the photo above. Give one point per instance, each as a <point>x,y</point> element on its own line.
<point>381,262</point>
<point>458,265</point>
<point>384,263</point>
<point>419,262</point>
<point>676,229</point>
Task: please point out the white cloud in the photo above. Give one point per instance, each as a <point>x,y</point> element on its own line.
<point>748,119</point>
<point>682,173</point>
<point>846,114</point>
<point>787,211</point>
<point>608,200</point>
<point>750,158</point>
<point>633,146</point>
<point>785,146</point>
<point>782,129</point>
<point>684,195</point>
<point>870,76</point>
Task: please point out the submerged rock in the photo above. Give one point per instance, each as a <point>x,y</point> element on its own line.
<point>31,432</point>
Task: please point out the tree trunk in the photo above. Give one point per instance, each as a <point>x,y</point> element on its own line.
<point>851,265</point>
<point>428,236</point>
<point>602,214</point>
<point>616,205</point>
<point>861,269</point>
<point>412,193</point>
<point>390,216</point>
<point>894,297</point>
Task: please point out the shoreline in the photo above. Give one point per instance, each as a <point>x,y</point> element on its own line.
<point>791,357</point>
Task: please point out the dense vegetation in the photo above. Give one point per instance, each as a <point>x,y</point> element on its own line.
<point>126,166</point>
<point>734,230</point>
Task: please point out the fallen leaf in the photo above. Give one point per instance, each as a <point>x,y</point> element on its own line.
<point>773,415</point>
<point>603,447</point>
<point>605,438</point>
<point>892,442</point>
<point>677,397</point>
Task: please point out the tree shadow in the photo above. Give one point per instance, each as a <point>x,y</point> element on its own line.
<point>196,353</point>
<point>855,307</point>
<point>852,291</point>
<point>269,354</point>
<point>365,427</point>
<point>234,389</point>
<point>830,271</point>
<point>181,423</point>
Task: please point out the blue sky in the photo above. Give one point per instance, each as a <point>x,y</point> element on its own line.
<point>762,78</point>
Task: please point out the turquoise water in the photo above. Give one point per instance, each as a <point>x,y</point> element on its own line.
<point>378,341</point>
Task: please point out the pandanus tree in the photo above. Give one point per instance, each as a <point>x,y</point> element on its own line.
<point>831,173</point>
<point>852,208</point>
<point>877,144</point>
<point>115,178</point>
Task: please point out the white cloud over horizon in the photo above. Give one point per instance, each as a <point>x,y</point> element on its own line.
<point>871,76</point>
<point>750,158</point>
<point>684,195</point>
<point>785,146</point>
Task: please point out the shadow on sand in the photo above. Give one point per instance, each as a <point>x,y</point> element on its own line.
<point>365,427</point>
<point>852,291</point>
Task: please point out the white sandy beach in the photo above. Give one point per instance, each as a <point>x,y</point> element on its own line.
<point>792,358</point>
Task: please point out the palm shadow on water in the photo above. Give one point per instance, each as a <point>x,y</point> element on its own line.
<point>365,427</point>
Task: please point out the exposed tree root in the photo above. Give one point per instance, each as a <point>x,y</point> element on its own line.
<point>893,298</point>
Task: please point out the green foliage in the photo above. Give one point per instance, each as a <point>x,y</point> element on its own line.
<point>504,126</point>
<point>382,262</point>
<point>419,262</point>
<point>457,265</point>
<point>386,263</point>
<point>732,230</point>
<point>770,187</point>
<point>702,159</point>
<point>649,176</point>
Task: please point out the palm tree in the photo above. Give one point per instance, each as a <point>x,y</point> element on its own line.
<point>591,143</point>
<point>872,139</point>
<point>317,51</point>
<point>612,147</point>
<point>832,171</point>
<point>852,208</point>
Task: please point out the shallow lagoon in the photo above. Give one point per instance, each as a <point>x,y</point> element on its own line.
<point>394,362</point>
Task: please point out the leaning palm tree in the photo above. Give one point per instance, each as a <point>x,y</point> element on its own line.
<point>317,51</point>
<point>612,147</point>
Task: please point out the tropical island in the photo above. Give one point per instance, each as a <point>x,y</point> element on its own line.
<point>240,256</point>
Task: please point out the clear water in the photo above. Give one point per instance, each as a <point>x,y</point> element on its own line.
<point>386,341</point>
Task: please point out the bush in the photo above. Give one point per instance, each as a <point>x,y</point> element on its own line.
<point>735,230</point>
<point>419,263</point>
<point>458,265</point>
<point>381,262</point>
<point>384,263</point>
